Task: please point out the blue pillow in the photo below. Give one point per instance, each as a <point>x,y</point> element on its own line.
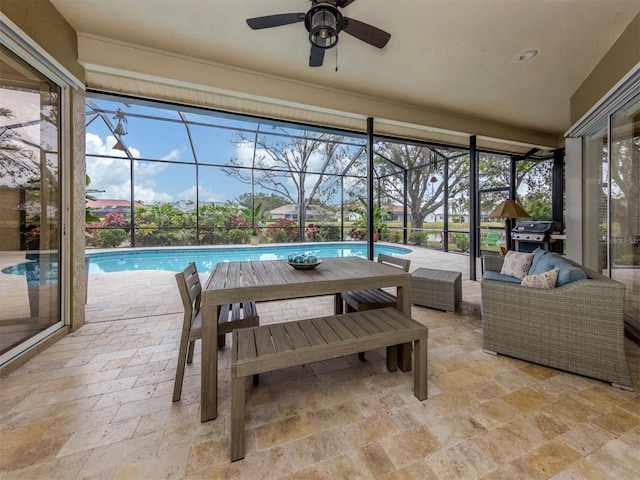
<point>538,254</point>
<point>568,273</point>
<point>544,261</point>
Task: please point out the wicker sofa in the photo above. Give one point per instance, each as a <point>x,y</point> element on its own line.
<point>578,327</point>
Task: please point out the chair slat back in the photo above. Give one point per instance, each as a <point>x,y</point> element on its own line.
<point>190,290</point>
<point>403,263</point>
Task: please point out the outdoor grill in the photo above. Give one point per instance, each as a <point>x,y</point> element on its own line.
<point>530,235</point>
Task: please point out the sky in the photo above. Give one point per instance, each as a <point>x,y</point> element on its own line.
<point>155,182</point>
<point>160,182</point>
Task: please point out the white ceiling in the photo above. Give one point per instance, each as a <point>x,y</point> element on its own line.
<point>451,55</point>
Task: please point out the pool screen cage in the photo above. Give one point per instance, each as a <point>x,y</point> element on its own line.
<point>171,175</point>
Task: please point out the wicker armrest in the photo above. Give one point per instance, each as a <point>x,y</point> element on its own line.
<point>493,263</point>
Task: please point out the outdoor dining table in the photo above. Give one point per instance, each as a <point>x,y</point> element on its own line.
<point>232,282</point>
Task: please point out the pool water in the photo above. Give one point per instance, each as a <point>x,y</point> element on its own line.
<point>205,258</point>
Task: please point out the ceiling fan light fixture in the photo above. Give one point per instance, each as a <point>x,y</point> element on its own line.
<point>324,29</point>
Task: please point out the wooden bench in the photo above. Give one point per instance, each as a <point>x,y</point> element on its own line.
<point>281,345</point>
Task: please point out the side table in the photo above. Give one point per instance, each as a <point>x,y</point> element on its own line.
<point>440,289</point>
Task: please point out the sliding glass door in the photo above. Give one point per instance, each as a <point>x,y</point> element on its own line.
<point>624,226</point>
<point>29,205</point>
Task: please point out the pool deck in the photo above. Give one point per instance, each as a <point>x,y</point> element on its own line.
<point>98,404</point>
<point>126,295</point>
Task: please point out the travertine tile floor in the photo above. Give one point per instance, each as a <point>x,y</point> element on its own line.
<point>97,405</point>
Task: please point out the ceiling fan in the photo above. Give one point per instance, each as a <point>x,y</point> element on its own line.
<point>324,22</point>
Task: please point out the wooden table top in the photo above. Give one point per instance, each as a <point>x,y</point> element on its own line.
<point>277,280</point>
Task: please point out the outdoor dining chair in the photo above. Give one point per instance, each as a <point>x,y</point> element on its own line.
<point>230,317</point>
<point>359,300</point>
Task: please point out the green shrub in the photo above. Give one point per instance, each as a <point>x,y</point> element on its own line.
<point>461,241</point>
<point>112,237</point>
<point>395,236</point>
<point>283,231</point>
<point>281,236</point>
<point>329,233</point>
<point>213,236</point>
<point>236,236</point>
<point>417,238</point>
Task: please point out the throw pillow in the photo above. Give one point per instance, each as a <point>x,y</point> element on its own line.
<point>516,264</point>
<point>545,261</point>
<point>569,273</point>
<point>541,280</point>
<point>538,255</point>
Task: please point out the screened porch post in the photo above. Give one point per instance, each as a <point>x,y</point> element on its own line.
<point>474,209</point>
<point>370,188</point>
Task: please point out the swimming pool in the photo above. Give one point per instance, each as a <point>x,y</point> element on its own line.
<point>205,258</point>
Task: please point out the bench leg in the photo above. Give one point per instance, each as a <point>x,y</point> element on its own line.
<point>420,369</point>
<point>404,357</point>
<point>237,418</point>
<point>338,306</point>
<point>392,358</point>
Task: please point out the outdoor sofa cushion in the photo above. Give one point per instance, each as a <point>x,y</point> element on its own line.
<point>544,261</point>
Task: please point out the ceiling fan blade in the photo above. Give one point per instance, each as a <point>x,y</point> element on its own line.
<point>365,32</point>
<point>269,21</point>
<point>316,56</point>
<point>344,3</point>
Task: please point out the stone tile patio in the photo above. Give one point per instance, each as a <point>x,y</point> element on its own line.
<point>97,404</point>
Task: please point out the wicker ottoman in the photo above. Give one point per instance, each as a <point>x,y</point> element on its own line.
<point>436,289</point>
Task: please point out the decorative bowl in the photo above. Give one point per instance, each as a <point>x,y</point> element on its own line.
<point>304,266</point>
<point>303,261</point>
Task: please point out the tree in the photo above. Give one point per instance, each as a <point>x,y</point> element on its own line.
<point>424,196</point>
<point>537,205</point>
<point>162,215</point>
<point>533,178</point>
<point>18,165</point>
<point>269,201</point>
<point>293,167</point>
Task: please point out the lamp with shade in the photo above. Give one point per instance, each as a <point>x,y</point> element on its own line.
<point>508,210</point>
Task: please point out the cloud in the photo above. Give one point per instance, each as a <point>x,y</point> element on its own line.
<point>245,153</point>
<point>173,155</point>
<point>112,176</point>
<point>96,146</point>
<point>206,195</point>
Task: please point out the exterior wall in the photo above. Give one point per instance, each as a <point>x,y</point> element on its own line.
<point>43,23</point>
<point>77,178</point>
<point>618,61</point>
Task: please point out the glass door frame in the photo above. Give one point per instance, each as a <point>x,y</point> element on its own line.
<point>30,52</point>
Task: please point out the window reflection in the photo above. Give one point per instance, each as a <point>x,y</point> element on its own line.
<point>29,202</point>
